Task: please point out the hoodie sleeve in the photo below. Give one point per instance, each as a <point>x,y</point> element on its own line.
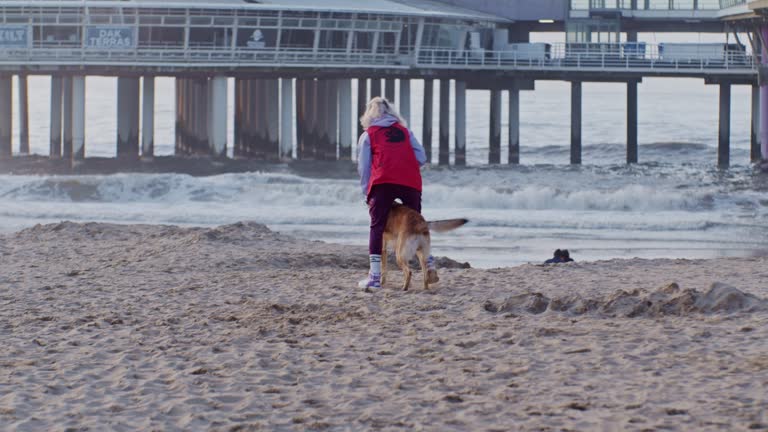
<point>418,150</point>
<point>364,162</point>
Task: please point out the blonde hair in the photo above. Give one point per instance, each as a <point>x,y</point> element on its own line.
<point>378,107</point>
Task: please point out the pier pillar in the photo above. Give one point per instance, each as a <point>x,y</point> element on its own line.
<point>754,153</point>
<point>218,116</point>
<point>78,117</point>
<point>23,115</point>
<point>576,122</point>
<point>66,149</point>
<point>404,99</point>
<point>460,113</point>
<point>724,139</point>
<point>6,116</point>
<point>286,119</point>
<point>764,98</point>
<point>202,108</point>
<point>389,90</point>
<point>345,119</point>
<point>322,124</point>
<point>307,127</point>
<point>445,122</point>
<point>632,145</point>
<point>55,131</point>
<point>494,140</point>
<point>376,88</point>
<point>362,100</point>
<point>426,137</point>
<point>127,117</point>
<point>148,117</point>
<point>271,109</point>
<point>180,108</point>
<point>301,120</point>
<point>514,124</point>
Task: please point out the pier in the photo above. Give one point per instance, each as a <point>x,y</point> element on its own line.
<point>294,68</point>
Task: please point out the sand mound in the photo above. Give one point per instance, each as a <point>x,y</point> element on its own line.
<point>667,300</point>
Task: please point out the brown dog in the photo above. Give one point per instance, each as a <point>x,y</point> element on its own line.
<point>410,233</point>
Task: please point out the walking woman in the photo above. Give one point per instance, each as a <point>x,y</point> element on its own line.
<point>388,161</point>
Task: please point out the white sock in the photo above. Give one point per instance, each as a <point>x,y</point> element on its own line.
<point>431,263</point>
<point>375,264</point>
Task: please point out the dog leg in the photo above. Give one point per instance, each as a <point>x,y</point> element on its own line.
<point>424,273</point>
<point>383,260</point>
<point>403,263</point>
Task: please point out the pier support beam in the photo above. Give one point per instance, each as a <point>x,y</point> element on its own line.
<point>754,153</point>
<point>575,122</point>
<point>362,100</point>
<point>724,139</point>
<point>426,129</point>
<point>78,117</point>
<point>460,112</point>
<point>345,119</point>
<point>66,150</point>
<point>180,111</point>
<point>6,116</point>
<point>445,122</point>
<point>55,132</point>
<point>389,90</point>
<point>632,122</point>
<point>148,117</point>
<point>286,119</point>
<point>271,109</point>
<point>494,140</point>
<point>218,116</point>
<point>376,88</point>
<point>23,115</point>
<point>404,100</point>
<point>764,99</point>
<point>128,117</point>
<point>514,124</point>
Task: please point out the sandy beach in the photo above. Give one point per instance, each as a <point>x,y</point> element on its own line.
<point>238,328</point>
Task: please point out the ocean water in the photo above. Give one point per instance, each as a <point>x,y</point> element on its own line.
<point>676,203</point>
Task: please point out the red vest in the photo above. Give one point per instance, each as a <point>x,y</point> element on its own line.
<point>392,157</point>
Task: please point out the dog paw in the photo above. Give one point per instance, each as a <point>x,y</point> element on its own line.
<point>432,276</point>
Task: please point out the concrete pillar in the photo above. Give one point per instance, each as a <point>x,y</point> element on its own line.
<point>6,116</point>
<point>764,100</point>
<point>56,96</point>
<point>576,122</point>
<point>514,124</point>
<point>271,109</point>
<point>23,115</point>
<point>127,117</point>
<point>148,117</point>
<point>389,90</point>
<point>218,116</point>
<point>238,110</point>
<point>724,141</point>
<point>66,149</point>
<point>333,120</point>
<point>445,122</point>
<point>754,153</point>
<point>404,99</point>
<point>632,145</point>
<point>78,117</point>
<point>426,137</point>
<point>345,119</point>
<point>313,116</point>
<point>376,88</point>
<point>460,112</point>
<point>301,120</point>
<point>203,146</point>
<point>362,100</point>
<point>494,140</point>
<point>286,119</point>
<point>322,120</point>
<point>179,84</point>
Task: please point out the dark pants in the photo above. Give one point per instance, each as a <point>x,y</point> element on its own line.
<point>379,202</point>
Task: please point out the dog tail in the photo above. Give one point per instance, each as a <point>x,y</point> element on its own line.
<point>446,225</point>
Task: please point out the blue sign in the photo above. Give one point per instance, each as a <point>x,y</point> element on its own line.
<point>110,37</point>
<point>14,36</point>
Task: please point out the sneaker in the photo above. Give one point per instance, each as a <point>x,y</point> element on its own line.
<point>373,281</point>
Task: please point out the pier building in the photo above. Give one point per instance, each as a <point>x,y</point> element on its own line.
<point>294,65</point>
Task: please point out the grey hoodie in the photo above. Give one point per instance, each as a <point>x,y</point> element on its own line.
<point>364,160</point>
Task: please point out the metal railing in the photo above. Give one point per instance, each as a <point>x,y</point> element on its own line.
<point>655,4</point>
<point>629,56</point>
